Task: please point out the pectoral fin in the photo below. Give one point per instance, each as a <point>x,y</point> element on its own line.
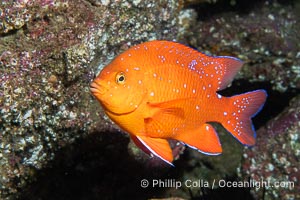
<point>166,114</point>
<point>203,139</point>
<point>173,107</point>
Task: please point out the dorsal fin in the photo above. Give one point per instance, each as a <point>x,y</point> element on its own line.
<point>229,67</point>
<point>218,71</point>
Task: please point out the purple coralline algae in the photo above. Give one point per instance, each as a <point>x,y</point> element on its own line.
<point>275,157</point>
<point>265,38</point>
<point>49,52</point>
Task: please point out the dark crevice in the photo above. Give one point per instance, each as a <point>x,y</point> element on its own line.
<point>9,33</point>
<point>97,167</point>
<point>242,7</point>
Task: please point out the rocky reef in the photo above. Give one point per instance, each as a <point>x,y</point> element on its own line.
<point>56,142</point>
<point>277,164</point>
<point>49,53</point>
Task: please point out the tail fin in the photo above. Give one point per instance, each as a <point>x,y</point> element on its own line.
<point>240,111</point>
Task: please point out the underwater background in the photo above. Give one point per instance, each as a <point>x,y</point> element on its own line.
<point>57,143</point>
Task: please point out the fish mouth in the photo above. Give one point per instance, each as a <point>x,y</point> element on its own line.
<point>97,89</point>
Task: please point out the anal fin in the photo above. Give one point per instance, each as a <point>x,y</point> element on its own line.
<point>203,139</point>
<point>158,147</point>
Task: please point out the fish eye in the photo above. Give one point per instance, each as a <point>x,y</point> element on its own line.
<point>120,78</point>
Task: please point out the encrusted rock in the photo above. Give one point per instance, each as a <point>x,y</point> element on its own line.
<point>49,52</point>
<point>275,157</point>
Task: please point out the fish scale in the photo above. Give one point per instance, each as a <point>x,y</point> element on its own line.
<point>162,90</point>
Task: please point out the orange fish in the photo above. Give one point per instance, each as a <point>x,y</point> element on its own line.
<point>162,90</point>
